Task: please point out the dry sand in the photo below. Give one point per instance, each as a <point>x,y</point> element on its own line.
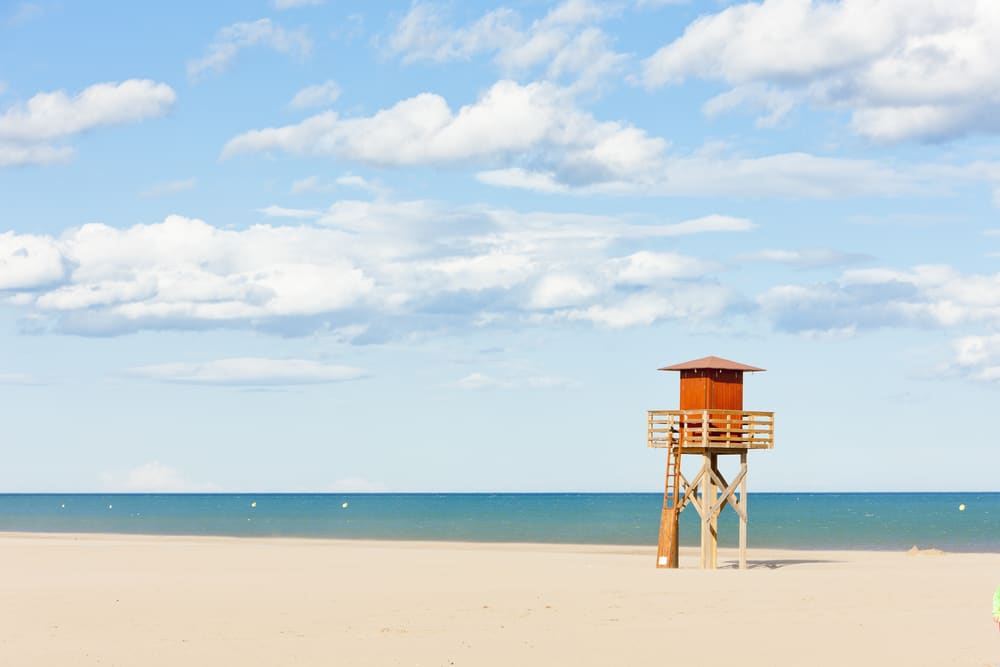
<point>137,600</point>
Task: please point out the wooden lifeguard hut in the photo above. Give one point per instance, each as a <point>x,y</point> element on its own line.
<point>711,422</point>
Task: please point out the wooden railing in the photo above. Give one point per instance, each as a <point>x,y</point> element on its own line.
<point>711,429</point>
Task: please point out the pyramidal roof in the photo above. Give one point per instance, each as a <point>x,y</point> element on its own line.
<point>711,363</point>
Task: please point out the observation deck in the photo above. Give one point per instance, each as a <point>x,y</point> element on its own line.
<point>705,431</point>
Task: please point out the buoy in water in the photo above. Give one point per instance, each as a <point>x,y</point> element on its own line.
<point>344,505</point>
<point>253,504</point>
<point>961,508</point>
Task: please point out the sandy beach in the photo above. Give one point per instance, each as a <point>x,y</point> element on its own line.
<point>155,600</point>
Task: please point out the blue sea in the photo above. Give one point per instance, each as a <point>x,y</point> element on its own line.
<point>880,521</point>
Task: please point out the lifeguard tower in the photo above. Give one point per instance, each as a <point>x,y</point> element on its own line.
<point>711,422</point>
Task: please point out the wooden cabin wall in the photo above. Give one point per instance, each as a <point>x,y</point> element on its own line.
<point>711,388</point>
<point>726,389</point>
<point>694,390</point>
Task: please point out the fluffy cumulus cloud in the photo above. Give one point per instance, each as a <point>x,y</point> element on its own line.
<point>28,130</point>
<point>536,137</point>
<point>510,121</point>
<point>28,261</point>
<point>978,357</point>
<point>924,296</point>
<point>250,372</point>
<point>375,265</point>
<point>564,45</point>
<point>905,69</point>
<point>239,36</point>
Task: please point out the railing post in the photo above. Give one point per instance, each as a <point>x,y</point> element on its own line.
<point>704,429</point>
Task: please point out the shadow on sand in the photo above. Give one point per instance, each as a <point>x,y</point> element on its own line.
<point>772,564</point>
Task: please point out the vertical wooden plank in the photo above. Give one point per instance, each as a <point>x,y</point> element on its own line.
<point>707,499</point>
<point>745,508</point>
<point>705,506</point>
<point>713,526</point>
<point>666,549</point>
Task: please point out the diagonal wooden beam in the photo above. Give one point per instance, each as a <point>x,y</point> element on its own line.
<point>728,492</point>
<point>691,491</point>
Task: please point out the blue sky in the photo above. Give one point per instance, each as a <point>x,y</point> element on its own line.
<point>330,246</point>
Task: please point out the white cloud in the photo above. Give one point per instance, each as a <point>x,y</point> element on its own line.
<point>509,121</point>
<point>48,116</point>
<point>153,477</point>
<point>517,177</point>
<point>347,180</point>
<point>13,155</point>
<point>565,41</point>
<point>422,35</point>
<point>783,175</point>
<point>695,302</point>
<point>282,5</point>
<point>27,129</point>
<point>360,183</point>
<point>381,268</point>
<point>253,372</point>
<point>775,102</point>
<point>312,184</point>
<point>295,213</point>
<point>708,223</point>
<point>28,261</point>
<point>806,258</point>
<point>229,41</point>
<point>561,290</point>
<point>905,69</point>
<point>924,296</point>
<point>647,268</point>
<point>478,381</point>
<point>535,137</point>
<point>365,266</point>
<point>169,187</point>
<point>319,95</point>
<point>587,60</point>
<point>182,271</point>
<point>978,357</point>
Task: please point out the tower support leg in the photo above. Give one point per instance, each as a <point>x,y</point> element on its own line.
<point>743,506</point>
<point>715,508</point>
<point>707,494</point>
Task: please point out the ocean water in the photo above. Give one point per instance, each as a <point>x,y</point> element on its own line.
<point>881,521</point>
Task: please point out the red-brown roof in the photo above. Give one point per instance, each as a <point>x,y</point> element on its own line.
<point>712,363</point>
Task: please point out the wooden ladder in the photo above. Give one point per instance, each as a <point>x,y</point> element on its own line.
<point>667,548</point>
